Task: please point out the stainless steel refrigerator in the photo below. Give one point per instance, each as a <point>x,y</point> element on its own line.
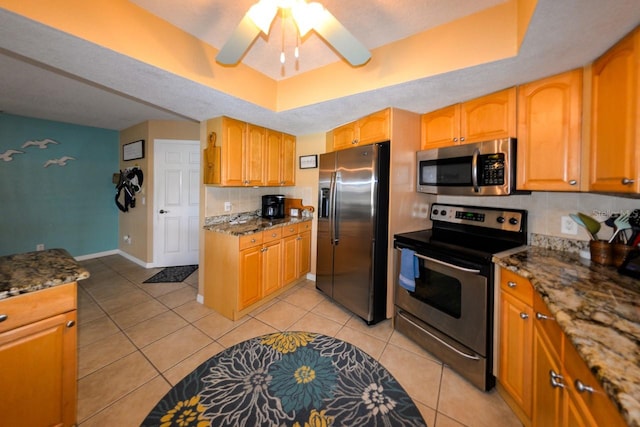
<point>353,213</point>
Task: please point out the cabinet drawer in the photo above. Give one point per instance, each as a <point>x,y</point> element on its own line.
<point>517,286</point>
<point>33,306</point>
<point>304,226</point>
<point>289,230</point>
<point>250,240</point>
<point>271,235</point>
<point>545,322</point>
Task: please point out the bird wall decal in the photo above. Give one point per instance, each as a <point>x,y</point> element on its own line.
<point>7,156</point>
<point>40,143</point>
<point>62,161</point>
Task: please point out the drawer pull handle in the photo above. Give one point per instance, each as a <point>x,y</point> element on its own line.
<point>71,324</point>
<point>273,235</point>
<point>3,317</point>
<point>556,379</point>
<point>541,316</point>
<point>524,316</point>
<point>253,240</point>
<point>512,284</point>
<point>582,387</point>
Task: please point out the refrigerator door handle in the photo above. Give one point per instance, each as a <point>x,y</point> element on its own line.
<point>333,219</point>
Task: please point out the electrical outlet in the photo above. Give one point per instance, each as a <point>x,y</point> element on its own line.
<point>568,226</point>
<point>40,247</point>
<point>227,206</point>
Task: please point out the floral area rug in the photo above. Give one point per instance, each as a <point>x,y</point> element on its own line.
<point>293,379</point>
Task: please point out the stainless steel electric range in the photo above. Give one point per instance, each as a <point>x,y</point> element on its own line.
<point>449,312</point>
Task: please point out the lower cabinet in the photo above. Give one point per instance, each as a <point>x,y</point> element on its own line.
<point>38,355</point>
<point>555,388</point>
<point>243,272</point>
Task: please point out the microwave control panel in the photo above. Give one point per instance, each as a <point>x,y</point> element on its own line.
<point>492,167</point>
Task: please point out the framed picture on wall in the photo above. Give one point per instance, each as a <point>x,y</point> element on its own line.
<point>309,162</point>
<point>133,150</point>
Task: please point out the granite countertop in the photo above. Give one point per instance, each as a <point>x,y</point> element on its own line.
<point>248,224</point>
<point>599,311</point>
<point>32,271</point>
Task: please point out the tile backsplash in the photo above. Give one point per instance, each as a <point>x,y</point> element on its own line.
<point>250,199</point>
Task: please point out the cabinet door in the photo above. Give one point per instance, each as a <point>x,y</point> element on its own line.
<point>289,259</point>
<point>489,117</point>
<point>440,128</point>
<point>288,164</point>
<point>304,253</point>
<point>549,137</point>
<point>615,132</point>
<point>254,155</point>
<point>273,158</point>
<point>344,136</point>
<point>516,364</point>
<point>38,374</point>
<point>271,267</point>
<point>250,289</point>
<point>547,398</point>
<point>232,169</point>
<point>373,128</point>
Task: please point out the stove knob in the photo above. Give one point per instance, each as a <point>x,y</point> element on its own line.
<point>443,212</point>
<point>513,221</point>
<point>500,220</point>
<point>435,212</point>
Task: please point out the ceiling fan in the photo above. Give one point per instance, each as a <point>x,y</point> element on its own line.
<point>307,16</point>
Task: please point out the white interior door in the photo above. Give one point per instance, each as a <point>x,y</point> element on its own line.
<point>176,200</point>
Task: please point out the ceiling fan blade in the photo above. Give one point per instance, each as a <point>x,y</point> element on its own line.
<point>330,29</point>
<point>242,38</point>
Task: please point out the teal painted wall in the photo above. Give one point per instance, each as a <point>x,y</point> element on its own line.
<point>71,206</point>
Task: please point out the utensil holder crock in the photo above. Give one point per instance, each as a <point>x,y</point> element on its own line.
<point>601,252</point>
<point>620,252</point>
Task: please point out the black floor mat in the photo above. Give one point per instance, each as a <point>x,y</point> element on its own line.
<point>172,274</point>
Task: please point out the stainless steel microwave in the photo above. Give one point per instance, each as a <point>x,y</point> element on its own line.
<point>476,169</point>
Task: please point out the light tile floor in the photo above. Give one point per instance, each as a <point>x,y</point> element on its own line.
<point>136,340</point>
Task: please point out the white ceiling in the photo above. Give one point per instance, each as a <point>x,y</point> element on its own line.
<point>47,74</point>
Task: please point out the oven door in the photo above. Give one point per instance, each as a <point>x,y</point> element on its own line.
<point>451,299</point>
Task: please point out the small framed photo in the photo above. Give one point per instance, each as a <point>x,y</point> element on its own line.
<point>309,162</point>
<point>133,150</point>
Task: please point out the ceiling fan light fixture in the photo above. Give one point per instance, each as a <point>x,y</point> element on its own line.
<point>263,13</point>
<point>306,15</point>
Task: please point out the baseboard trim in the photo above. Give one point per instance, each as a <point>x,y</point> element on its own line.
<point>136,260</point>
<point>97,255</point>
<point>200,299</point>
<point>311,277</point>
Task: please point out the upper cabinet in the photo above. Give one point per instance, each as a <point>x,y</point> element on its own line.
<point>489,117</point>
<point>549,137</point>
<point>367,130</point>
<point>615,131</point>
<point>242,154</point>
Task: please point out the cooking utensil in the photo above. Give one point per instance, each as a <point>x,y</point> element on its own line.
<point>591,224</point>
<point>579,221</point>
<point>610,221</point>
<point>621,223</point>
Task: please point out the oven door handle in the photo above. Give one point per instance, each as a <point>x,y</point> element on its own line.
<point>474,170</point>
<point>446,344</point>
<point>437,261</point>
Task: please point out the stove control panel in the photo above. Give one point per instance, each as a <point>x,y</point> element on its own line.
<point>501,219</point>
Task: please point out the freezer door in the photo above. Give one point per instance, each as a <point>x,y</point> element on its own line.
<point>356,195</point>
<point>326,209</point>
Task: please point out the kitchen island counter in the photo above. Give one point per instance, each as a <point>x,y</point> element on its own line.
<point>599,311</point>
<point>32,271</point>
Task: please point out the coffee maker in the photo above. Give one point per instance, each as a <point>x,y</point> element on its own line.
<point>273,206</point>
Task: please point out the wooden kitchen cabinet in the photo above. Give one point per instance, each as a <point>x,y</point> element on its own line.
<point>367,130</point>
<point>296,251</point>
<point>549,133</point>
<point>486,118</point>
<point>516,334</point>
<point>244,272</point>
<point>38,355</point>
<point>280,159</point>
<point>615,129</point>
<point>242,154</point>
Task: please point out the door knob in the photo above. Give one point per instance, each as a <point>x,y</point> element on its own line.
<point>162,211</point>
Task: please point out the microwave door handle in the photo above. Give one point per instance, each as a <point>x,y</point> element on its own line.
<point>474,170</point>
